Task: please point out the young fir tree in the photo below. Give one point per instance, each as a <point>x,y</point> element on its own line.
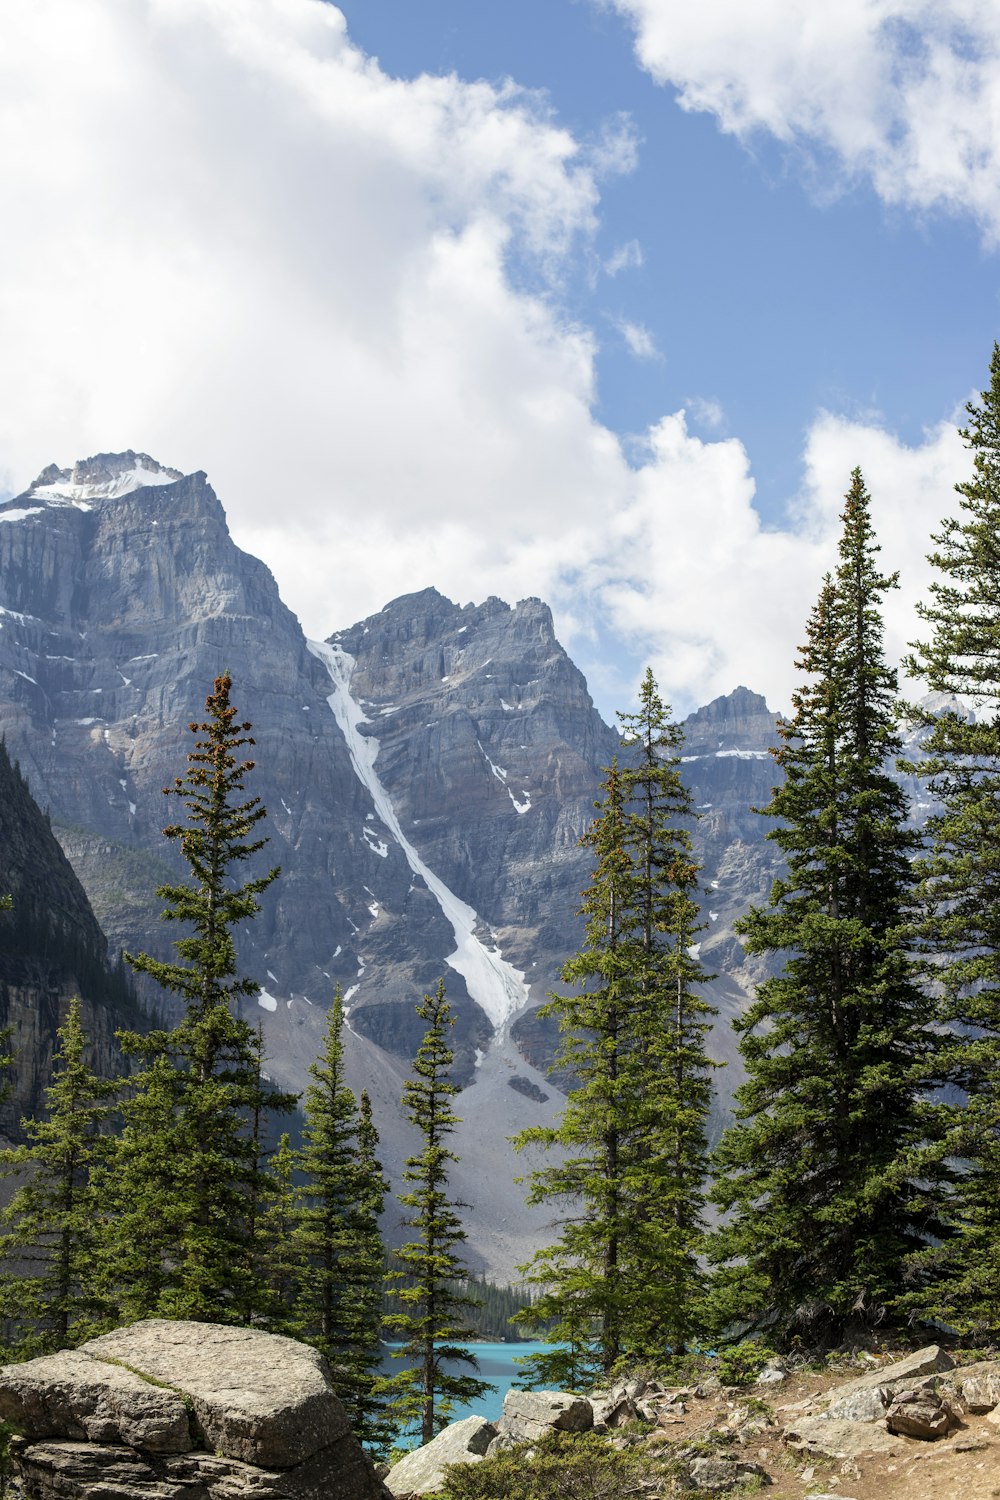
<point>671,1022</point>
<point>624,1276</point>
<point>958,920</point>
<point>337,1238</point>
<point>429,1322</point>
<point>823,1177</point>
<point>48,1230</point>
<point>279,1260</point>
<point>189,1156</point>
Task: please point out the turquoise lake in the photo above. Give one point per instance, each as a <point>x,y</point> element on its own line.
<point>496,1364</point>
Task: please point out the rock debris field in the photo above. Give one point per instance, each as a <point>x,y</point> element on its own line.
<point>917,1427</point>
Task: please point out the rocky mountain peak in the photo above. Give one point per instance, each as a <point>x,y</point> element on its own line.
<point>102,477</point>
<point>737,723</point>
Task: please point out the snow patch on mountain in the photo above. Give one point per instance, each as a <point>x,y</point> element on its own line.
<point>494,984</point>
<point>106,477</point>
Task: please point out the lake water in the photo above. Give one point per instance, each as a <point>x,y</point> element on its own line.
<point>496,1364</point>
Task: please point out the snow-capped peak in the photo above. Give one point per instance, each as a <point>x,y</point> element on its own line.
<point>106,476</point>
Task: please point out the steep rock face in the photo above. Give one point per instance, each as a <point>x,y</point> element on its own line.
<point>120,607</point>
<point>427,772</point>
<point>730,770</point>
<point>121,597</point>
<point>491,751</point>
<point>51,949</point>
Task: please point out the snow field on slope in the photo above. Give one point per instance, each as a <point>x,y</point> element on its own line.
<point>494,984</point>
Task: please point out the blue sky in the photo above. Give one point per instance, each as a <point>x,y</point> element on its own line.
<point>768,284</point>
<point>596,301</point>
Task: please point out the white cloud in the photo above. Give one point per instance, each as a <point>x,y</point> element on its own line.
<point>625,257</point>
<point>638,338</point>
<point>707,412</point>
<point>904,92</point>
<point>233,242</point>
<point>698,586</point>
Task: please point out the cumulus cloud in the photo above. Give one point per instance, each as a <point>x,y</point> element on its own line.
<point>714,597</point>
<point>236,243</point>
<point>903,92</point>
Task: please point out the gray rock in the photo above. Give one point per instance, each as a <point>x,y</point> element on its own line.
<point>840,1439</point>
<point>717,1474</point>
<point>773,1373</point>
<point>72,1395</point>
<point>84,1471</point>
<point>422,1471</point>
<point>867,1398</point>
<point>978,1385</point>
<point>255,1412</point>
<point>256,1397</point>
<point>920,1414</point>
<point>528,1415</point>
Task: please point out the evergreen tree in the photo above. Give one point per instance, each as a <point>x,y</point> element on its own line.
<point>624,1279</point>
<point>201,1090</point>
<point>431,1316</point>
<point>278,1247</point>
<point>958,922</point>
<point>670,1022</point>
<point>48,1230</point>
<point>337,1236</point>
<point>824,1175</point>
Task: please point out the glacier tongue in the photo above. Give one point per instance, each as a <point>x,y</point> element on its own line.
<point>493,983</point>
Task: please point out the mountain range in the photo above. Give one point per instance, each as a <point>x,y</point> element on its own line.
<point>428,773</point>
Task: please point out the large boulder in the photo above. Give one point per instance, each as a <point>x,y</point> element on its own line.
<point>920,1414</point>
<point>529,1415</point>
<point>868,1398</point>
<point>71,1395</point>
<point>977,1385</point>
<point>717,1475</point>
<point>422,1471</point>
<point>818,1436</point>
<point>255,1396</point>
<point>181,1409</point>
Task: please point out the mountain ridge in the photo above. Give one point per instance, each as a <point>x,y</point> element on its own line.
<point>428,774</point>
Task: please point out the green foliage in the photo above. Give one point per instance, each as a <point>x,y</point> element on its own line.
<point>337,1244</point>
<point>624,1280</point>
<point>279,1260</point>
<point>957,928</point>
<point>185,1184</point>
<point>430,1319</point>
<point>49,1229</point>
<point>561,1466</point>
<point>824,1175</point>
<point>740,1364</point>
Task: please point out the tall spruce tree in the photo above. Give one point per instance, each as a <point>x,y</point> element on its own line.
<point>49,1298</point>
<point>430,1319</point>
<point>339,1246</point>
<point>958,921</point>
<point>624,1278</point>
<point>189,1154</point>
<point>824,1176</point>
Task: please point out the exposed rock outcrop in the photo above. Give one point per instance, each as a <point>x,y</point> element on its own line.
<point>422,1471</point>
<point>173,1410</point>
<point>51,949</point>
